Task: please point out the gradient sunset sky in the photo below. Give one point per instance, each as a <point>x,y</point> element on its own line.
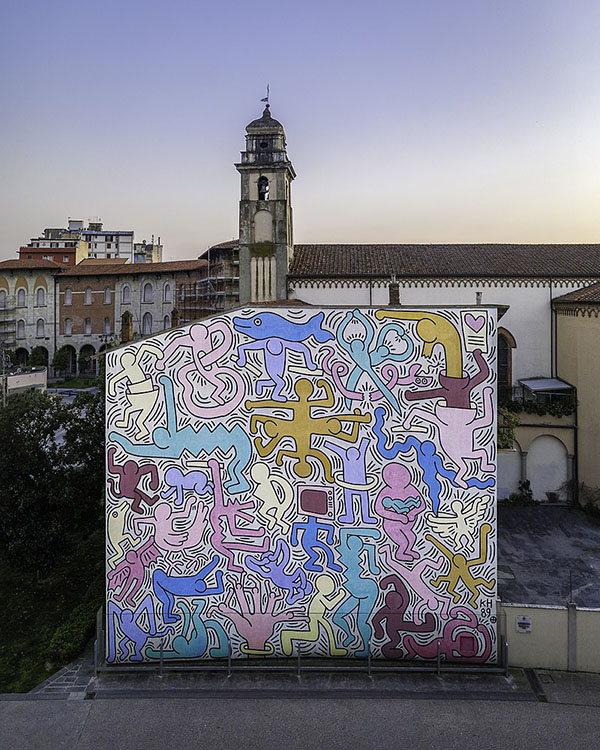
<point>421,121</point>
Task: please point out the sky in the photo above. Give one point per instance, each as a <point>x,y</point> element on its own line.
<point>441,121</point>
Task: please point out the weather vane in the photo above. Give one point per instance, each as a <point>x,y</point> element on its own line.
<point>266,99</point>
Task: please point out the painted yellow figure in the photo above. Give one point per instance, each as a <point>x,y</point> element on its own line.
<point>433,329</point>
<point>141,393</point>
<point>117,519</point>
<point>302,426</point>
<point>322,602</point>
<point>460,568</point>
<point>275,494</point>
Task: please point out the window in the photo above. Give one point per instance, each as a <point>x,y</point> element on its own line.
<point>166,322</point>
<point>126,295</point>
<point>20,329</point>
<point>168,293</point>
<point>263,189</point>
<point>40,297</point>
<point>506,343</point>
<point>147,324</point>
<point>107,326</point>
<point>68,327</point>
<point>2,299</point>
<point>87,300</point>
<point>107,296</point>
<point>21,298</point>
<point>65,258</point>
<point>147,292</point>
<point>108,245</point>
<point>88,326</point>
<point>68,298</point>
<point>40,329</point>
<point>182,292</point>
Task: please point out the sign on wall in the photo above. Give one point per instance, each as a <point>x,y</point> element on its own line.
<point>304,479</point>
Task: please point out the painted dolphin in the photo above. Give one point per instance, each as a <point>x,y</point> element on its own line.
<point>270,325</point>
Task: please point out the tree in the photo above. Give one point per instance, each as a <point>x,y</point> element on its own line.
<point>38,357</point>
<point>84,362</point>
<point>61,361</point>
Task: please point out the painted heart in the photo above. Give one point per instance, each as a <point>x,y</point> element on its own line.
<point>475,323</point>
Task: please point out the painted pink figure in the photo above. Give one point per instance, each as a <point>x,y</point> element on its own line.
<point>208,344</point>
<point>428,600</point>
<point>459,641</point>
<point>176,530</point>
<point>130,475</point>
<point>457,427</point>
<point>224,520</point>
<point>253,623</point>
<point>399,503</point>
<point>129,574</point>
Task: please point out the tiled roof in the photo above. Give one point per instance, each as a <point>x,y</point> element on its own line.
<point>589,295</point>
<point>119,269</point>
<point>101,261</point>
<point>343,261</point>
<point>18,264</point>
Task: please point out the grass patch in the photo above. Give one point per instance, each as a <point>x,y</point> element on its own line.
<point>89,382</point>
<point>57,609</point>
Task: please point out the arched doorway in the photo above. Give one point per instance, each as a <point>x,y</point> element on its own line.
<point>72,359</point>
<point>87,365</point>
<point>22,357</point>
<point>547,468</point>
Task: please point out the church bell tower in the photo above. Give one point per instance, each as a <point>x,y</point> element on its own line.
<point>266,243</point>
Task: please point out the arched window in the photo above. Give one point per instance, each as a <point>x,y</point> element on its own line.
<point>88,326</point>
<point>88,296</point>
<point>506,343</point>
<point>126,295</point>
<point>20,329</point>
<point>168,294</point>
<point>68,298</point>
<point>147,324</point>
<point>107,296</point>
<point>21,298</point>
<point>166,322</point>
<point>106,326</point>
<point>263,189</point>
<point>40,297</point>
<point>2,299</point>
<point>147,292</point>
<point>40,329</point>
<point>68,327</point>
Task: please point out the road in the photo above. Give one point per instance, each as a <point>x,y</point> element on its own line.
<point>296,724</point>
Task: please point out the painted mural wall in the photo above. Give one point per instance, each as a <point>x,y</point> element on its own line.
<point>321,480</point>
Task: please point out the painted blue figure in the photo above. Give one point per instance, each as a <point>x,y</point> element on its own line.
<point>362,589</point>
<point>271,565</point>
<point>353,479</point>
<point>178,482</point>
<point>427,458</point>
<point>358,342</point>
<point>196,645</point>
<point>169,442</point>
<point>275,336</point>
<point>131,631</point>
<point>311,543</point>
<point>167,587</point>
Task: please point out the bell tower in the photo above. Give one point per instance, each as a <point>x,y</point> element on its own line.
<point>266,242</point>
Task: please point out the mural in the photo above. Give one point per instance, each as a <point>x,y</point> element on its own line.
<point>302,479</point>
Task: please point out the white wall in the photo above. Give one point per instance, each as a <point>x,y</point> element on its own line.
<point>547,467</point>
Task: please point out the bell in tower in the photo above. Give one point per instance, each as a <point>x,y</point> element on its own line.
<point>266,243</point>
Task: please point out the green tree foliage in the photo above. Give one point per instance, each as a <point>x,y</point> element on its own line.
<point>61,360</point>
<point>38,357</point>
<point>51,473</point>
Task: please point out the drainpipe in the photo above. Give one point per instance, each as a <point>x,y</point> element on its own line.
<point>552,338</point>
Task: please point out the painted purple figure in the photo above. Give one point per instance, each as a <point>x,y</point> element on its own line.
<point>271,565</point>
<point>131,631</point>
<point>178,482</point>
<point>168,587</point>
<point>353,480</point>
<point>309,539</point>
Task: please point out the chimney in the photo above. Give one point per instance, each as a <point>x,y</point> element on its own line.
<point>394,293</point>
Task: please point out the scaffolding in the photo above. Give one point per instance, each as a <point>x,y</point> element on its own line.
<point>217,292</point>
